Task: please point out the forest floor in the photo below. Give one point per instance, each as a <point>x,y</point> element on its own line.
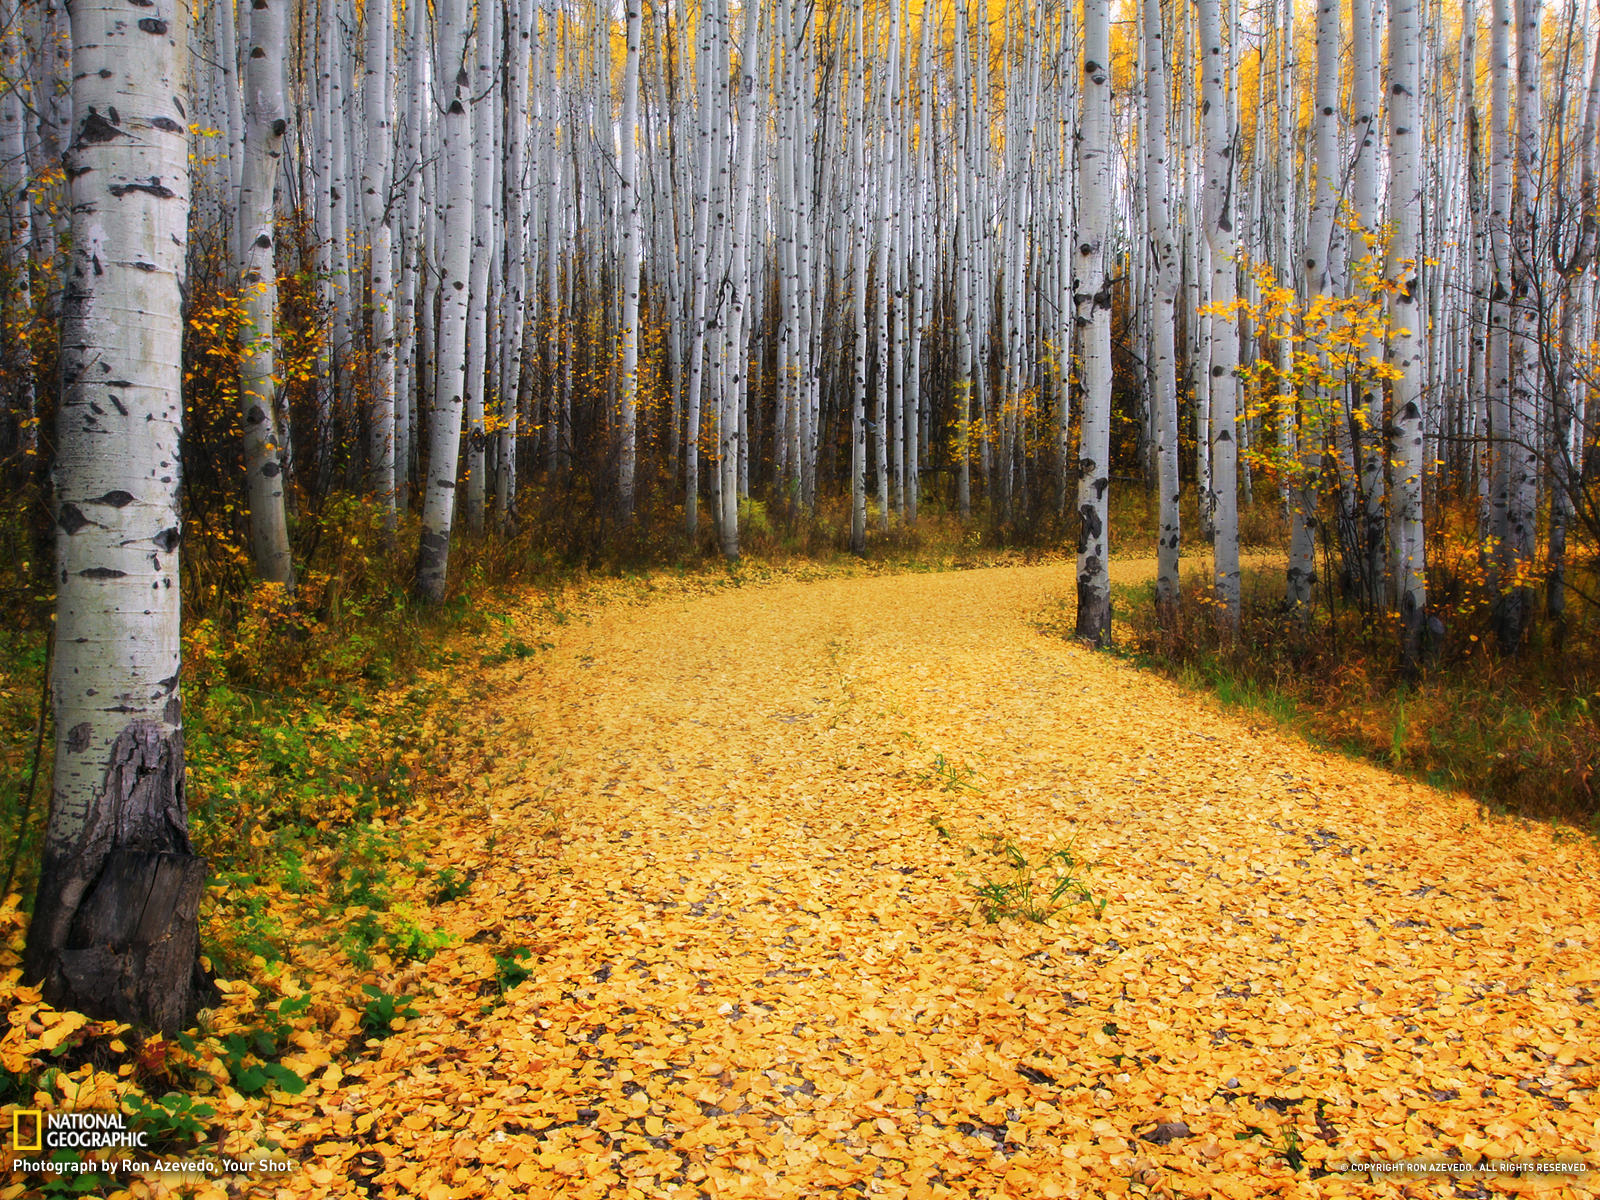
<point>875,885</point>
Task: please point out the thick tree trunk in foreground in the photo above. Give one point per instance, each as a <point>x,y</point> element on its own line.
<point>115,929</point>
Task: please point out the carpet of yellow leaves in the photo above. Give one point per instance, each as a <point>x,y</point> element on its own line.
<point>737,833</point>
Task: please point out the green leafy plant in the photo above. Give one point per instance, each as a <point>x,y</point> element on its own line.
<point>377,1018</point>
<point>1286,1144</point>
<point>173,1118</point>
<point>1033,891</point>
<point>950,776</point>
<point>452,885</point>
<point>513,968</point>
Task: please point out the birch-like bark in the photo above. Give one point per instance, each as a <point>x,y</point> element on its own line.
<point>1361,429</point>
<point>117,839</point>
<point>1092,292</point>
<point>17,231</point>
<point>484,133</point>
<point>858,287</point>
<point>1222,237</point>
<point>1164,319</point>
<point>380,234</point>
<point>628,215</point>
<point>266,123</point>
<point>706,160</point>
<point>1407,331</point>
<point>455,265</point>
<point>1321,287</point>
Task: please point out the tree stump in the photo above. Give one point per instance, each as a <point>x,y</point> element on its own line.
<point>116,932</point>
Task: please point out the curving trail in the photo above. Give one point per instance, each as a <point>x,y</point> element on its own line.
<point>739,831</point>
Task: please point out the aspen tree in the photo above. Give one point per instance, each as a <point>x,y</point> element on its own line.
<point>455,265</point>
<point>375,213</point>
<point>266,124</point>
<point>17,232</point>
<point>1092,292</point>
<point>628,159</point>
<point>1222,239</point>
<point>1407,330</point>
<point>1322,286</point>
<point>1361,428</point>
<point>741,273</point>
<point>115,929</point>
<point>858,291</point>
<point>887,201</point>
<point>706,162</point>
<point>1164,320</point>
<point>485,44</point>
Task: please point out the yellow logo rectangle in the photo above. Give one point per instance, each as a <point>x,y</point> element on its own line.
<point>26,1123</point>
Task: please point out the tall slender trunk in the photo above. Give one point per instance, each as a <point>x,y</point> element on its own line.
<point>266,123</point>
<point>1219,208</point>
<point>628,212</point>
<point>1092,291</point>
<point>376,216</point>
<point>1164,318</point>
<point>455,265</point>
<point>1407,333</point>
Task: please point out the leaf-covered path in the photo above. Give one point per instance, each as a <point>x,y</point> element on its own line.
<point>738,834</point>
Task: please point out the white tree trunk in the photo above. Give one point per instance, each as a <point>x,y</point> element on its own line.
<point>119,781</point>
<point>1221,182</point>
<point>628,206</point>
<point>1092,291</point>
<point>266,125</point>
<point>455,265</point>
<point>1408,331</point>
<point>1164,318</point>
<point>377,218</point>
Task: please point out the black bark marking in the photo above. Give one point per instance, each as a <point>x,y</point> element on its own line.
<point>255,416</point>
<point>116,498</point>
<point>167,540</point>
<point>113,114</point>
<point>271,470</point>
<point>78,737</point>
<point>153,25</point>
<point>178,104</point>
<point>118,404</point>
<point>263,242</point>
<point>154,188</point>
<point>102,573</point>
<point>1224,436</point>
<point>167,125</point>
<point>71,519</point>
<point>172,714</point>
<point>258,52</point>
<point>279,127</point>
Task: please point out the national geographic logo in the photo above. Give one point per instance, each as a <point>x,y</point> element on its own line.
<point>33,1129</point>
